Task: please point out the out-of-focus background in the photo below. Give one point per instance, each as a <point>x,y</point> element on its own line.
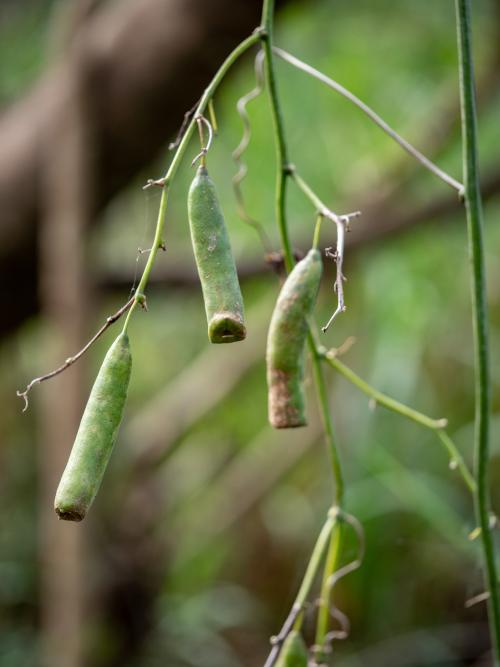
<point>198,539</point>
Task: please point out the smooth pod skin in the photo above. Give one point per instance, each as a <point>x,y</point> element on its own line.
<point>286,341</point>
<point>215,263</point>
<point>96,435</point>
<point>293,652</point>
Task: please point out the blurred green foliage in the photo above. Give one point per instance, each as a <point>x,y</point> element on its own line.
<point>219,593</point>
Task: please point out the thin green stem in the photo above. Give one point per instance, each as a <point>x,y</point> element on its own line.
<point>176,161</point>
<point>283,171</point>
<point>456,459</point>
<point>327,423</point>
<point>331,565</point>
<point>317,231</point>
<point>436,425</point>
<point>295,617</point>
<point>480,312</point>
<point>381,398</point>
<point>309,193</point>
<point>315,561</point>
<point>282,164</point>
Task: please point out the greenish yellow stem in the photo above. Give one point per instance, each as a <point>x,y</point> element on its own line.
<point>176,161</point>
<point>295,617</point>
<point>381,398</point>
<point>456,459</point>
<point>473,204</point>
<point>309,193</point>
<point>331,565</point>
<point>282,163</point>
<point>327,423</point>
<point>317,231</point>
<point>283,171</point>
<point>213,117</point>
<point>313,566</point>
<point>436,425</point>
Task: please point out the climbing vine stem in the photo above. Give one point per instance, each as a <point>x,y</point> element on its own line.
<point>295,617</point>
<point>282,162</point>
<point>331,565</point>
<point>283,171</point>
<point>164,182</point>
<point>480,312</point>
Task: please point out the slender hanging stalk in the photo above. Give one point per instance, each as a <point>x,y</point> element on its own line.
<point>176,161</point>
<point>405,145</point>
<point>283,171</point>
<point>435,425</point>
<point>331,565</point>
<point>473,205</point>
<point>294,618</point>
<point>327,423</point>
<point>282,166</point>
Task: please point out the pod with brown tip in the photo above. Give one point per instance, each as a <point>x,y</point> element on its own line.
<point>286,341</point>
<point>215,263</point>
<point>96,435</point>
<point>294,651</point>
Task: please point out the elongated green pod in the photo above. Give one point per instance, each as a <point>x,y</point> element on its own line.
<point>96,435</point>
<point>294,651</point>
<point>286,341</point>
<point>215,263</point>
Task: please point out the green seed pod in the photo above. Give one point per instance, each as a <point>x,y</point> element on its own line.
<point>286,340</point>
<point>293,652</point>
<point>96,435</point>
<point>216,268</point>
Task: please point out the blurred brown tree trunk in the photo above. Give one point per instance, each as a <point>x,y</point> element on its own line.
<point>65,215</point>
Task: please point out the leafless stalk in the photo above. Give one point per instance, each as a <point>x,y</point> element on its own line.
<point>71,360</point>
<point>292,60</point>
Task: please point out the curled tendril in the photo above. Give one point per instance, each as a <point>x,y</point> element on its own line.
<point>241,107</point>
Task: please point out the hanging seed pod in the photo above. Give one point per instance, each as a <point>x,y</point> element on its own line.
<point>286,340</point>
<point>215,263</point>
<point>294,651</point>
<point>96,435</point>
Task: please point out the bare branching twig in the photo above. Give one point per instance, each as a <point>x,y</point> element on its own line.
<point>338,255</point>
<point>342,224</point>
<point>71,360</point>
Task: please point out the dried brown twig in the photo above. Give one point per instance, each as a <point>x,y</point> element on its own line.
<point>71,360</point>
